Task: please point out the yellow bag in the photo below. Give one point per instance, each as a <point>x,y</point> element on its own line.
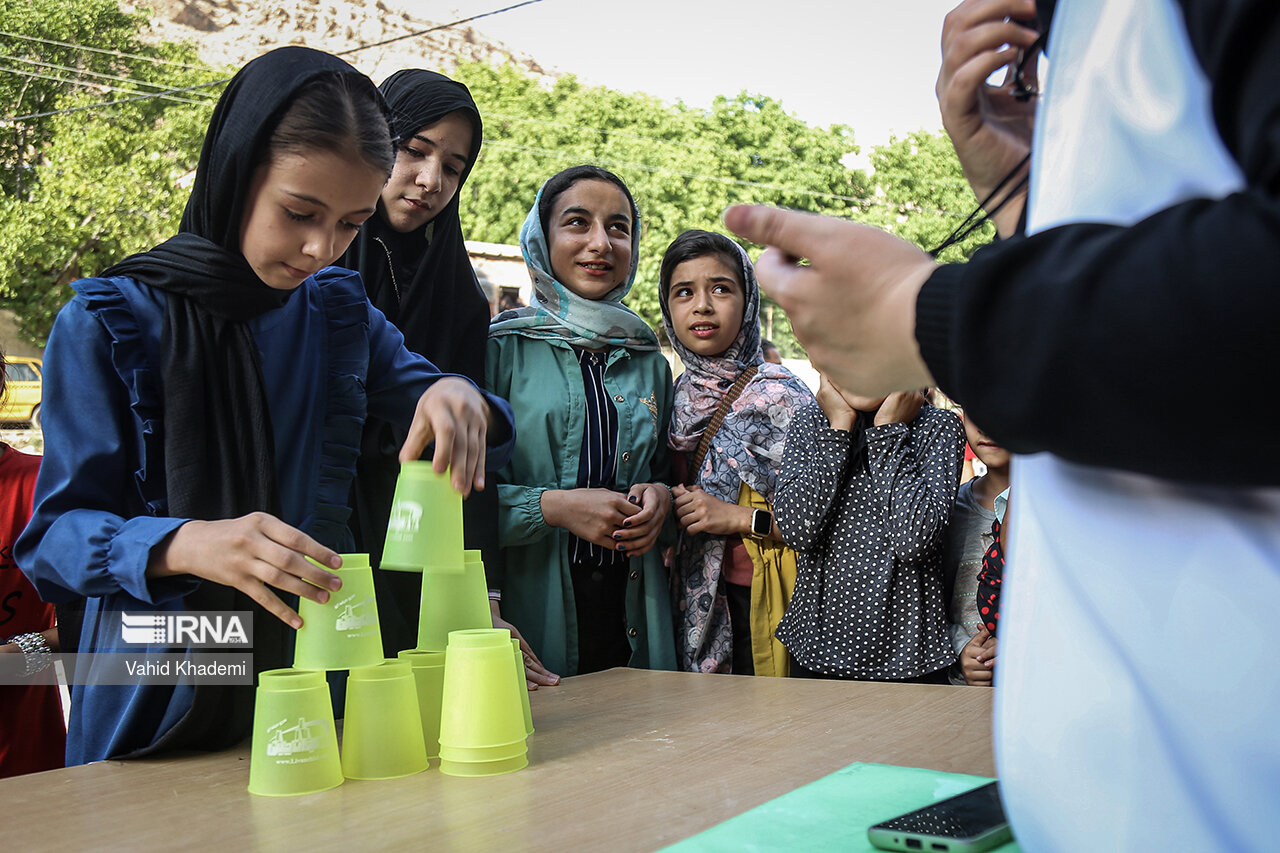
<point>772,582</point>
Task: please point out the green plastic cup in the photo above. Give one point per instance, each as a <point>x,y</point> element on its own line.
<point>381,728</point>
<point>453,601</point>
<point>522,687</point>
<point>342,633</point>
<point>428,676</point>
<point>482,730</point>
<point>295,745</point>
<point>425,527</point>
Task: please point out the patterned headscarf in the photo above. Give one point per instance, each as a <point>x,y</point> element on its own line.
<point>558,312</point>
<point>747,448</point>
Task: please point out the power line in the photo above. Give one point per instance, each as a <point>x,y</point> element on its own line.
<point>102,104</point>
<point>94,84</point>
<point>437,27</point>
<point>161,94</point>
<point>82,72</point>
<point>154,59</point>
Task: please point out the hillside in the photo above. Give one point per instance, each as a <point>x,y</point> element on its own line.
<point>230,32</point>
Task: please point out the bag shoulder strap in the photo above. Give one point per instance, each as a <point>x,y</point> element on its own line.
<point>723,409</point>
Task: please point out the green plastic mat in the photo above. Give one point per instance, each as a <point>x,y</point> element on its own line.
<point>834,812</point>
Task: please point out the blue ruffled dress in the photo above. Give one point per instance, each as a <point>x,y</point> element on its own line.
<point>328,358</point>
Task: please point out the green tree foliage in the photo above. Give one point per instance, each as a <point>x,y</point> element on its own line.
<point>923,195</point>
<point>80,190</point>
<point>684,165</point>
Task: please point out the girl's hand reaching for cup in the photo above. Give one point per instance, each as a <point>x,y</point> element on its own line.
<point>455,415</point>
<point>254,554</point>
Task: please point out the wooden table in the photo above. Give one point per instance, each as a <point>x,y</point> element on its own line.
<point>620,760</point>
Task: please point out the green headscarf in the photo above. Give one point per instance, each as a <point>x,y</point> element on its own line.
<point>558,312</point>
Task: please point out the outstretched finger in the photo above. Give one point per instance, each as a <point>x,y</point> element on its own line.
<point>796,234</point>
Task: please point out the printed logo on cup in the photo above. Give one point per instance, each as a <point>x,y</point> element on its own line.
<point>354,615</point>
<point>210,629</point>
<point>299,743</point>
<point>406,516</point>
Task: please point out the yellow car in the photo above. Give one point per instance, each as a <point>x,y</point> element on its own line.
<point>21,400</point>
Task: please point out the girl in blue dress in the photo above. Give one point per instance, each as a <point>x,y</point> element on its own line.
<point>204,402</point>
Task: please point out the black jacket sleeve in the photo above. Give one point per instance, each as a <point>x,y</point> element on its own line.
<point>1152,347</point>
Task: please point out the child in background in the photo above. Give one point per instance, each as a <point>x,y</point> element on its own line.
<point>412,257</point>
<point>865,495</point>
<point>735,576</point>
<point>980,653</point>
<point>969,537</point>
<point>204,402</point>
<point>583,500</point>
<point>32,734</point>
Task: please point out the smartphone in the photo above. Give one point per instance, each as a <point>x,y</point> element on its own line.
<point>967,823</point>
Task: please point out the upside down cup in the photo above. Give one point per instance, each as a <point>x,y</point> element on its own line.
<point>342,633</point>
<point>428,676</point>
<point>425,527</point>
<point>482,730</point>
<point>454,600</point>
<point>522,687</point>
<point>381,728</point>
<point>295,745</point>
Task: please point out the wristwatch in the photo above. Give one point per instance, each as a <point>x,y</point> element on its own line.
<point>761,523</point>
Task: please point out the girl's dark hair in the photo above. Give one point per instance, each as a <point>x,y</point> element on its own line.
<point>562,181</point>
<point>341,113</point>
<point>695,244</point>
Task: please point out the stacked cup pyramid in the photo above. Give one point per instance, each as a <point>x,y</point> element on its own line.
<point>400,711</point>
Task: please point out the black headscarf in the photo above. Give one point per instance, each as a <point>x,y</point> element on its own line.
<point>440,308</point>
<point>443,314</point>
<point>218,442</point>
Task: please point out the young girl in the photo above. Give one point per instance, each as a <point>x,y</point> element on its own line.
<point>204,402</point>
<point>413,260</point>
<point>735,575</point>
<point>971,544</point>
<point>582,501</point>
<point>32,735</point>
<point>865,495</point>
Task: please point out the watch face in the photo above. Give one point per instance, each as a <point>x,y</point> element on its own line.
<point>761,522</point>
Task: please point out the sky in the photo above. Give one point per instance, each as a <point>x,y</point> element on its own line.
<point>870,64</point>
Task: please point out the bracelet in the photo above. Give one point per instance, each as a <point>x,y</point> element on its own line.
<point>35,651</point>
<point>495,595</point>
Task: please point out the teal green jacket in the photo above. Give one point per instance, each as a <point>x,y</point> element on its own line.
<point>543,382</point>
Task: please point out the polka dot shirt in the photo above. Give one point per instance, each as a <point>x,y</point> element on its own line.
<point>866,511</point>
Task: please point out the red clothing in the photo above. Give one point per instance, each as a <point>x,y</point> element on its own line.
<point>32,733</point>
<point>737,567</point>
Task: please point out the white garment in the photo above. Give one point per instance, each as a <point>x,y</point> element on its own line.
<point>1137,697</point>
